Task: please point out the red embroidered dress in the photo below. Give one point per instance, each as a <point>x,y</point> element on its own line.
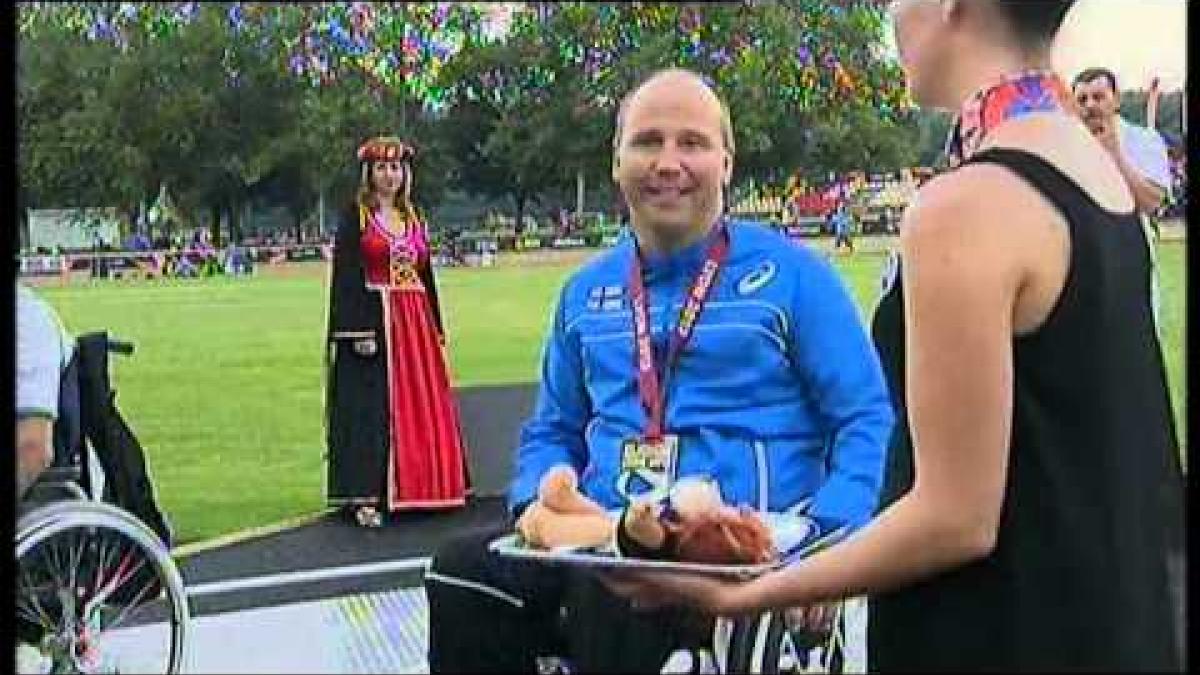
<point>425,465</point>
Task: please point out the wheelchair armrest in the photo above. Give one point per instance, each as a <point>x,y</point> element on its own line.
<point>60,474</point>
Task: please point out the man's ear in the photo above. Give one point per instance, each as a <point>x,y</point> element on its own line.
<point>616,164</point>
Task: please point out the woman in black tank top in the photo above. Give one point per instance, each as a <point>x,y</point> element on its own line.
<point>1033,494</point>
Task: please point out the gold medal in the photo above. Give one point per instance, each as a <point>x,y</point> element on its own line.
<point>648,467</point>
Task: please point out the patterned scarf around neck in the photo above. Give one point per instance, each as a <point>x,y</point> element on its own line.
<point>1012,96</point>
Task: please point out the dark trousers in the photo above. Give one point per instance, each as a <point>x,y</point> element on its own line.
<point>493,614</point>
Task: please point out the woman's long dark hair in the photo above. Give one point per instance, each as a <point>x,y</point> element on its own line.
<point>365,197</point>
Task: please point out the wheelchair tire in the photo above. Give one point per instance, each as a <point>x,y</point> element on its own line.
<point>765,644</point>
<point>755,644</point>
<point>83,569</point>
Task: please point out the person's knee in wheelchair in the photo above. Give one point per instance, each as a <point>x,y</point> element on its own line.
<point>492,614</point>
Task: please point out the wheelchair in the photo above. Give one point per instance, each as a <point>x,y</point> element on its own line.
<point>96,588</point>
<point>767,643</point>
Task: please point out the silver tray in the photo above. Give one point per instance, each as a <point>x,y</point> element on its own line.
<point>788,531</point>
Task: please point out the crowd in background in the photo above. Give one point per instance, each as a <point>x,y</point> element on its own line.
<point>850,203</point>
<point>176,255</point>
<point>872,202</point>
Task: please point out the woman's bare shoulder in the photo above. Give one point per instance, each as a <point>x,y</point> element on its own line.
<point>972,197</point>
<point>1064,143</point>
<point>983,217</point>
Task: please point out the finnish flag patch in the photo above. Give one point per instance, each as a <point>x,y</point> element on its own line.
<point>605,298</point>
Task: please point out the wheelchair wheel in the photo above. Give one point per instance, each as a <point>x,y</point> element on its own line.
<point>765,644</point>
<point>755,644</point>
<point>97,592</point>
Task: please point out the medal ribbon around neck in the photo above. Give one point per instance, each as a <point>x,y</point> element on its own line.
<point>1013,96</point>
<point>649,386</point>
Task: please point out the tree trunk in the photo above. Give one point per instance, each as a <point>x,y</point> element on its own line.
<point>235,225</point>
<point>579,193</point>
<point>321,213</point>
<point>236,231</point>
<point>214,227</point>
<point>23,230</point>
<point>520,198</point>
<point>129,221</point>
<point>240,211</point>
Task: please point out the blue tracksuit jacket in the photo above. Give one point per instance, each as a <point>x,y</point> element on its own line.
<point>779,396</point>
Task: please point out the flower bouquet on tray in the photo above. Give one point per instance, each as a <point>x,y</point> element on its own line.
<point>693,530</point>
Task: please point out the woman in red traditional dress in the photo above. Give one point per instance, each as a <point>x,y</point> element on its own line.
<point>392,426</point>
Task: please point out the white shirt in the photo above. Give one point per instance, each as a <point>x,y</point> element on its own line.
<point>1146,151</point>
<point>43,350</point>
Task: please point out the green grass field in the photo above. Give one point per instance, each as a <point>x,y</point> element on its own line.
<point>225,389</point>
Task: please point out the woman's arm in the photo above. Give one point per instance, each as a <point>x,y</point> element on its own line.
<point>961,273</point>
<point>425,273</point>
<point>351,312</point>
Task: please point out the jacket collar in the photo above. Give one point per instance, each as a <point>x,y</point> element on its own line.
<point>684,261</point>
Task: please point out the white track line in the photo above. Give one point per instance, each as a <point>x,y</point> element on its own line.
<point>301,576</point>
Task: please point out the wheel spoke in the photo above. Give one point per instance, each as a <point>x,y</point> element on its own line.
<point>49,552</point>
<point>33,607</point>
<point>120,576</point>
<point>75,554</point>
<point>136,602</point>
<point>102,565</point>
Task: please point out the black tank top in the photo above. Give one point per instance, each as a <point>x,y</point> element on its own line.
<point>1093,500</point>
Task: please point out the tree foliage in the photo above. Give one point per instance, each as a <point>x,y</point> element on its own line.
<point>225,101</point>
<point>1169,119</point>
